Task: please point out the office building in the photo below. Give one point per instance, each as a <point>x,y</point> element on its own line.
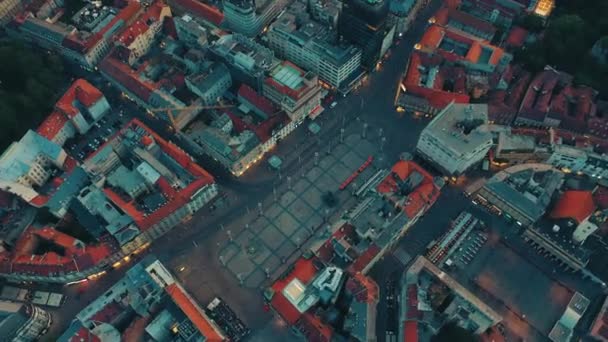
<point>364,23</point>
<point>457,138</point>
<point>314,47</point>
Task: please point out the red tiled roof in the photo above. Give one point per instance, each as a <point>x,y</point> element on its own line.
<point>432,37</point>
<point>127,77</point>
<point>517,37</point>
<point>304,270</point>
<point>574,204</point>
<point>142,24</point>
<point>84,335</point>
<point>81,91</point>
<point>52,125</point>
<point>421,197</point>
<point>178,198</point>
<point>260,102</point>
<point>201,10</point>
<point>194,313</point>
<point>364,259</point>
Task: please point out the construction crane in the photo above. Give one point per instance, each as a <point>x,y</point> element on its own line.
<point>170,111</point>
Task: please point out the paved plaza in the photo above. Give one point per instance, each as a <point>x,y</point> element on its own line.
<point>296,213</point>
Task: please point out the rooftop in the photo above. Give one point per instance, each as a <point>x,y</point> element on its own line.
<point>461,127</point>
<point>168,171</point>
<point>305,32</point>
<point>526,189</point>
<point>574,204</point>
<point>147,284</point>
<point>244,53</point>
<point>153,14</point>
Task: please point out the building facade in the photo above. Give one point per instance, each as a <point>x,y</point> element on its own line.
<point>297,92</point>
<point>250,17</point>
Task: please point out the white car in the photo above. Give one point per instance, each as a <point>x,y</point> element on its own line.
<point>333,104</point>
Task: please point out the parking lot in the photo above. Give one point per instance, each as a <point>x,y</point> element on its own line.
<point>81,146</point>
<point>529,301</point>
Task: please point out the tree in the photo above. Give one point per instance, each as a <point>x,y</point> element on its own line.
<point>451,332</point>
<point>532,23</point>
<point>330,199</point>
<point>30,83</point>
<point>567,41</point>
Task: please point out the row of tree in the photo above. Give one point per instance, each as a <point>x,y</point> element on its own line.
<point>30,83</point>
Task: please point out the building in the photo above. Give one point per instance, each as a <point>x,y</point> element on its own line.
<point>522,192</point>
<point>579,160</point>
<point>238,137</point>
<point>295,91</point>
<point>8,9</point>
<point>22,322</point>
<point>563,330</point>
<point>308,292</point>
<point>501,13</point>
<point>83,39</point>
<point>154,182</point>
<point>136,40</point>
<point>564,233</point>
<point>553,101</point>
<point>457,138</point>
<point>132,190</point>
<point>157,80</point>
<point>403,13</point>
<point>463,48</point>
<point>75,113</point>
<point>210,84</point>
<point>199,11</point>
<point>148,303</point>
<point>391,202</point>
<point>27,165</point>
<point>430,298</point>
<point>464,22</point>
<point>599,328</point>
<point>364,23</point>
<point>190,31</point>
<point>516,149</point>
<point>248,61</point>
<point>250,17</point>
<point>314,47</point>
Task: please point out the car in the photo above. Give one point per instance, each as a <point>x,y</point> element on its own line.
<point>333,104</point>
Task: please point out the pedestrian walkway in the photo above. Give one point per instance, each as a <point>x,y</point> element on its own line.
<point>296,214</point>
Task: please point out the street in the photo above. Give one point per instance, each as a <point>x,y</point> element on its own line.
<point>192,249</point>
